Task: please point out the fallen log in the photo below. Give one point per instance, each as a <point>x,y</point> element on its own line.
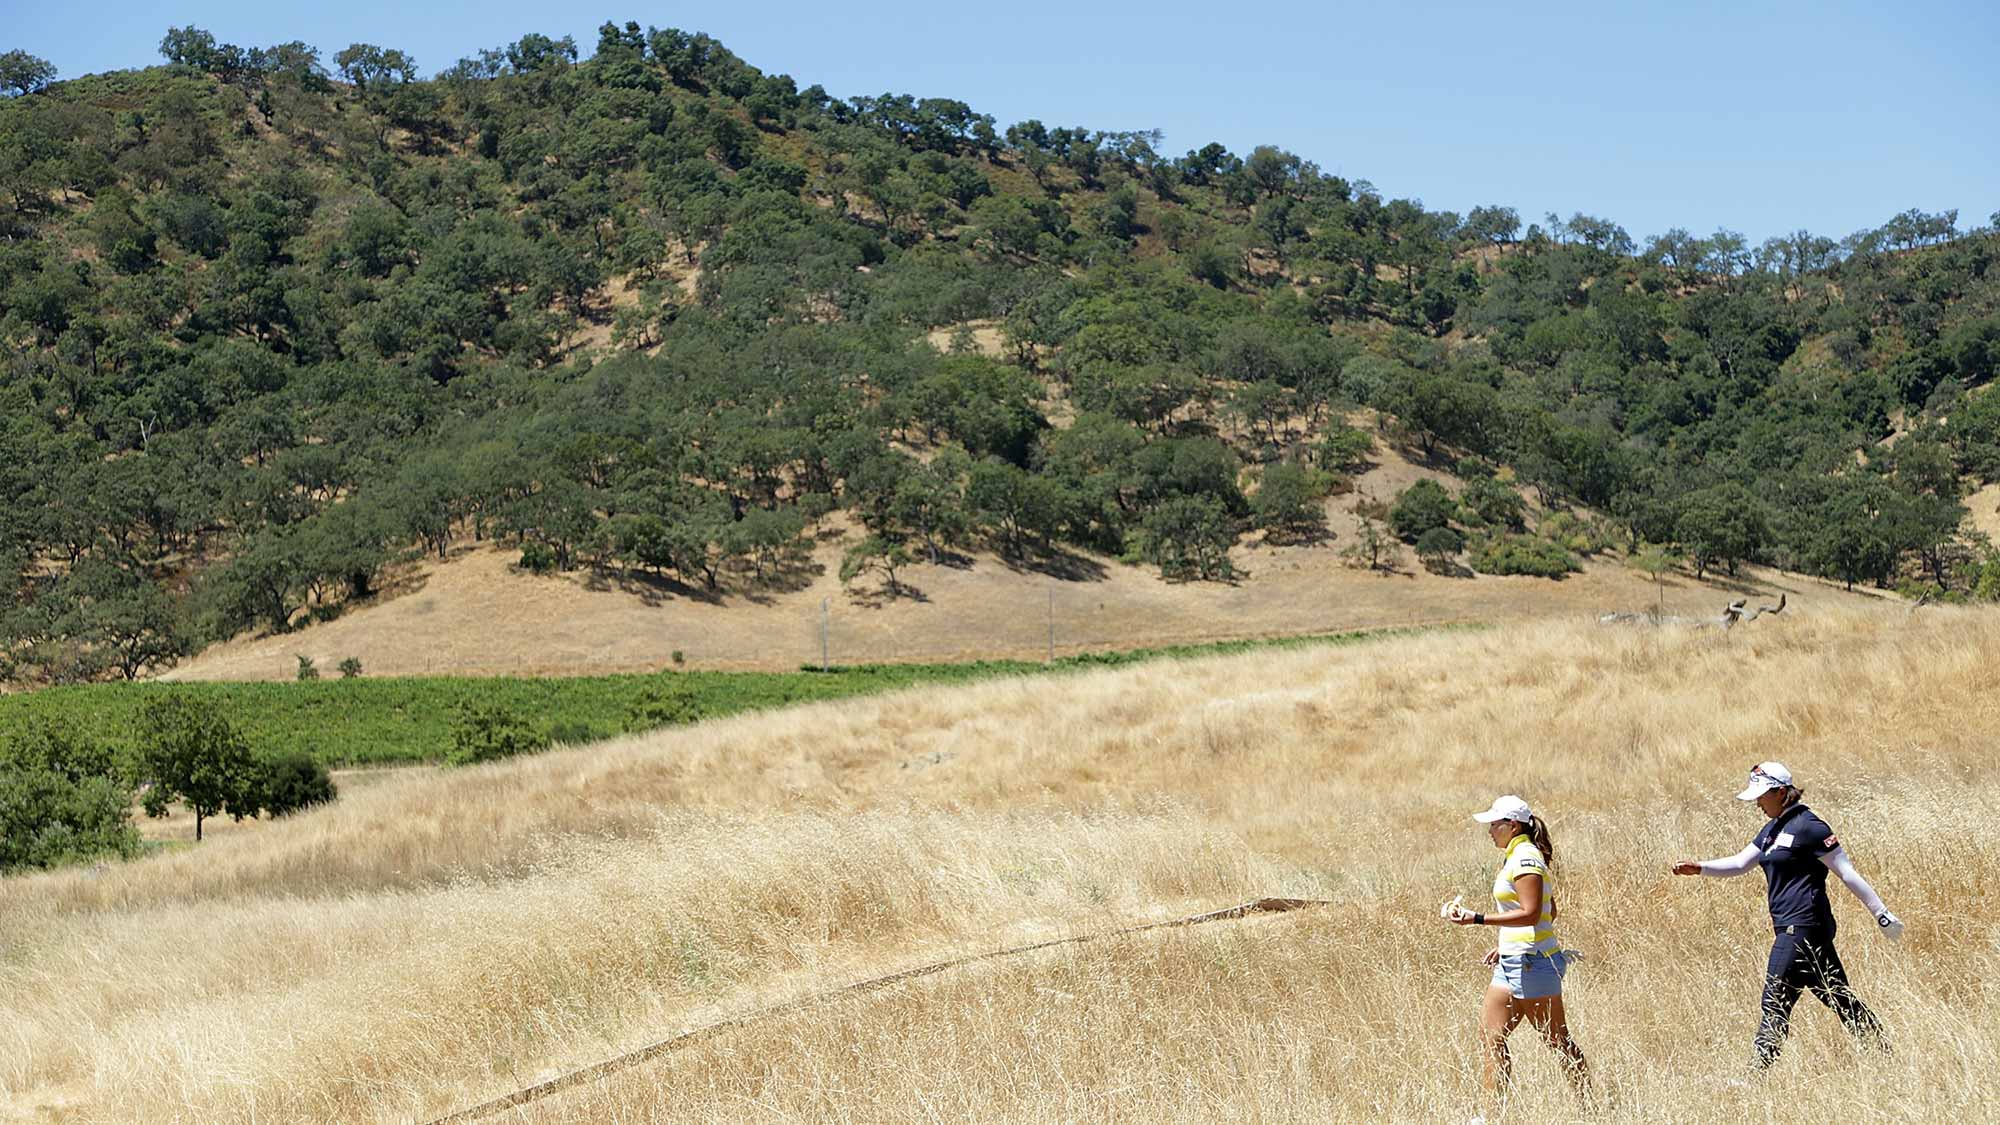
<point>1735,613</point>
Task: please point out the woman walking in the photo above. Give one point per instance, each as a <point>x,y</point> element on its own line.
<point>1796,849</point>
<point>1528,963</point>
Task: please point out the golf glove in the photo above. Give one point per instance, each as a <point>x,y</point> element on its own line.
<point>1892,926</point>
<point>1452,911</point>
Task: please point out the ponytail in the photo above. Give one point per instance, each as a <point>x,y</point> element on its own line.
<point>1538,835</point>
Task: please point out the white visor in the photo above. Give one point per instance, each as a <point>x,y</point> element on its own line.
<point>1764,777</point>
<point>1509,807</point>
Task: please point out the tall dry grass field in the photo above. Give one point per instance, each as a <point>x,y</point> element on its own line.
<point>435,940</point>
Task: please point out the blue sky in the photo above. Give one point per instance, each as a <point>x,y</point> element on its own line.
<point>1762,117</point>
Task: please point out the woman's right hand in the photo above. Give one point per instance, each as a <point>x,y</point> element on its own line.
<point>1687,867</point>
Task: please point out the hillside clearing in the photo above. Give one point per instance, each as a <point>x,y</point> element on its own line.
<point>477,614</point>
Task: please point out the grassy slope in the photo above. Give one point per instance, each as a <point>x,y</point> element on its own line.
<point>435,940</point>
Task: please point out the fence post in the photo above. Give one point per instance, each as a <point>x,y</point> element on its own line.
<point>1052,622</point>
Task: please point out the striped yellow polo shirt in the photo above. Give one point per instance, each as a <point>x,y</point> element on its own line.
<point>1524,858</point>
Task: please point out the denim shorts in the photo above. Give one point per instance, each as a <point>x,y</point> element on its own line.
<point>1531,976</point>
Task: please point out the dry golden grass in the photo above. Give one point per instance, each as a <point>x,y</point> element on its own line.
<point>435,940</point>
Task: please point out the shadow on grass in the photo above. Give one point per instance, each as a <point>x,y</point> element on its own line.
<point>885,594</point>
<point>1057,563</point>
<point>652,589</point>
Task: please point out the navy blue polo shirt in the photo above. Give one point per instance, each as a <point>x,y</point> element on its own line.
<point>1789,849</point>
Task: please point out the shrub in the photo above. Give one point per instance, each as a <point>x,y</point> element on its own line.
<point>350,668</point>
<point>290,780</point>
<point>1436,547</point>
<point>1344,449</point>
<point>1489,502</point>
<point>680,658</point>
<point>572,732</point>
<point>1585,537</point>
<point>1912,589</point>
<point>307,670</point>
<point>485,732</point>
<point>1419,508</point>
<point>61,800</point>
<point>538,557</point>
<point>1521,554</point>
<point>662,707</point>
<point>1984,579</point>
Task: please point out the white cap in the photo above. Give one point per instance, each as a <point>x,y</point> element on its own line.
<point>1764,777</point>
<point>1509,807</point>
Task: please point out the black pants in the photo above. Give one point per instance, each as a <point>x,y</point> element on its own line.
<point>1804,958</point>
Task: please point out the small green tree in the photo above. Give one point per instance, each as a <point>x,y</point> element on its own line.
<point>350,668</point>
<point>1211,263</point>
<point>1373,547</point>
<point>1286,504</point>
<point>190,752</point>
<point>879,554</point>
<point>22,73</point>
<point>307,669</point>
<point>766,537</point>
<point>131,621</point>
<point>1190,537</point>
<point>1655,561</point>
<point>1723,524</point>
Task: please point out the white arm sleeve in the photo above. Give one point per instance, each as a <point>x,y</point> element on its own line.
<point>1735,865</point>
<point>1837,862</point>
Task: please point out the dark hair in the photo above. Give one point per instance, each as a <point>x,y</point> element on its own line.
<point>1538,835</point>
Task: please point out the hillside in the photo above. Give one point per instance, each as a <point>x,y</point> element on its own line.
<point>280,325</point>
<point>475,614</point>
<point>434,940</point>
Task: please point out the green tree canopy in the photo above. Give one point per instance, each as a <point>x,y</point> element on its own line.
<point>189,751</point>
